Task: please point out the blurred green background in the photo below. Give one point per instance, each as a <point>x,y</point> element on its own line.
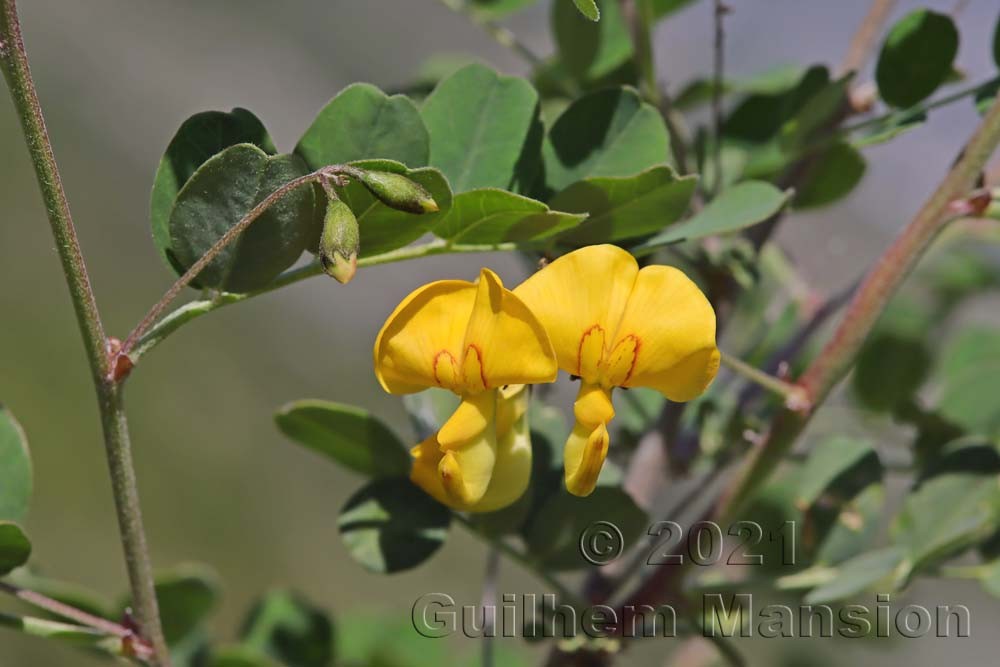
<point>220,485</point>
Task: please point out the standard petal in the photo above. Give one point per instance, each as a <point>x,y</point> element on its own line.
<point>504,342</point>
<point>666,338</point>
<point>420,343</point>
<point>583,291</point>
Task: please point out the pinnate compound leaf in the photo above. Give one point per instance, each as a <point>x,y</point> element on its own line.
<point>488,215</point>
<point>740,206</point>
<point>484,129</point>
<point>348,435</point>
<point>390,525</point>
<point>916,57</point>
<point>363,123</point>
<point>15,469</point>
<point>623,208</point>
<point>608,133</point>
<point>219,195</point>
<point>285,626</point>
<point>199,138</point>
<point>15,548</point>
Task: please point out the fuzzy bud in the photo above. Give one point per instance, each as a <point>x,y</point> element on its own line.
<point>398,192</point>
<point>340,242</point>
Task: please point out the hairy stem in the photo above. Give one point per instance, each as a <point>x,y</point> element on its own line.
<point>870,300</point>
<point>14,62</point>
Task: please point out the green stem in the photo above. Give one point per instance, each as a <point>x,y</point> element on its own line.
<point>793,394</point>
<point>870,300</point>
<point>524,560</point>
<point>173,321</point>
<point>14,61</point>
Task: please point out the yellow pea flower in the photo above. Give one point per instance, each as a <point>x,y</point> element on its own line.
<point>614,325</point>
<point>481,342</point>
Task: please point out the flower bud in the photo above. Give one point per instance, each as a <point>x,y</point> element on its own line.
<point>398,192</point>
<point>340,242</point>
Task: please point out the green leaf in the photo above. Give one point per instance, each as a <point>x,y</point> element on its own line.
<point>816,113</point>
<point>836,172</point>
<point>363,123</point>
<point>71,594</point>
<point>350,436</point>
<point>831,462</point>
<point>969,366</point>
<point>623,208</point>
<point>608,133</point>
<point>967,454</point>
<point>916,57</point>
<point>590,50</point>
<point>390,525</point>
<point>774,81</point>
<point>484,129</point>
<point>240,656</point>
<point>664,8</point>
<point>290,629</point>
<point>187,595</point>
<point>491,10</point>
<point>553,535</point>
<point>219,195</point>
<point>14,547</point>
<point>895,360</point>
<point>488,215</point>
<point>855,528</point>
<point>199,138</point>
<point>588,8</point>
<point>946,515</point>
<point>858,574</point>
<point>761,115</point>
<point>740,206</point>
<point>383,228</point>
<point>15,469</point>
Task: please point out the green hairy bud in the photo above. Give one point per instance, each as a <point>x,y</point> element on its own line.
<point>340,242</point>
<point>398,192</point>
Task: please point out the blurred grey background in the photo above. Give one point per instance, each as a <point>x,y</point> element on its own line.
<point>219,483</point>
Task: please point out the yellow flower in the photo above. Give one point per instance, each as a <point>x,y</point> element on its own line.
<point>481,342</point>
<point>613,325</point>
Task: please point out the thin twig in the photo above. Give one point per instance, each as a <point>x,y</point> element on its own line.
<point>718,76</point>
<point>867,36</point>
<point>14,61</point>
<point>76,615</point>
<point>793,394</point>
<point>881,283</point>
